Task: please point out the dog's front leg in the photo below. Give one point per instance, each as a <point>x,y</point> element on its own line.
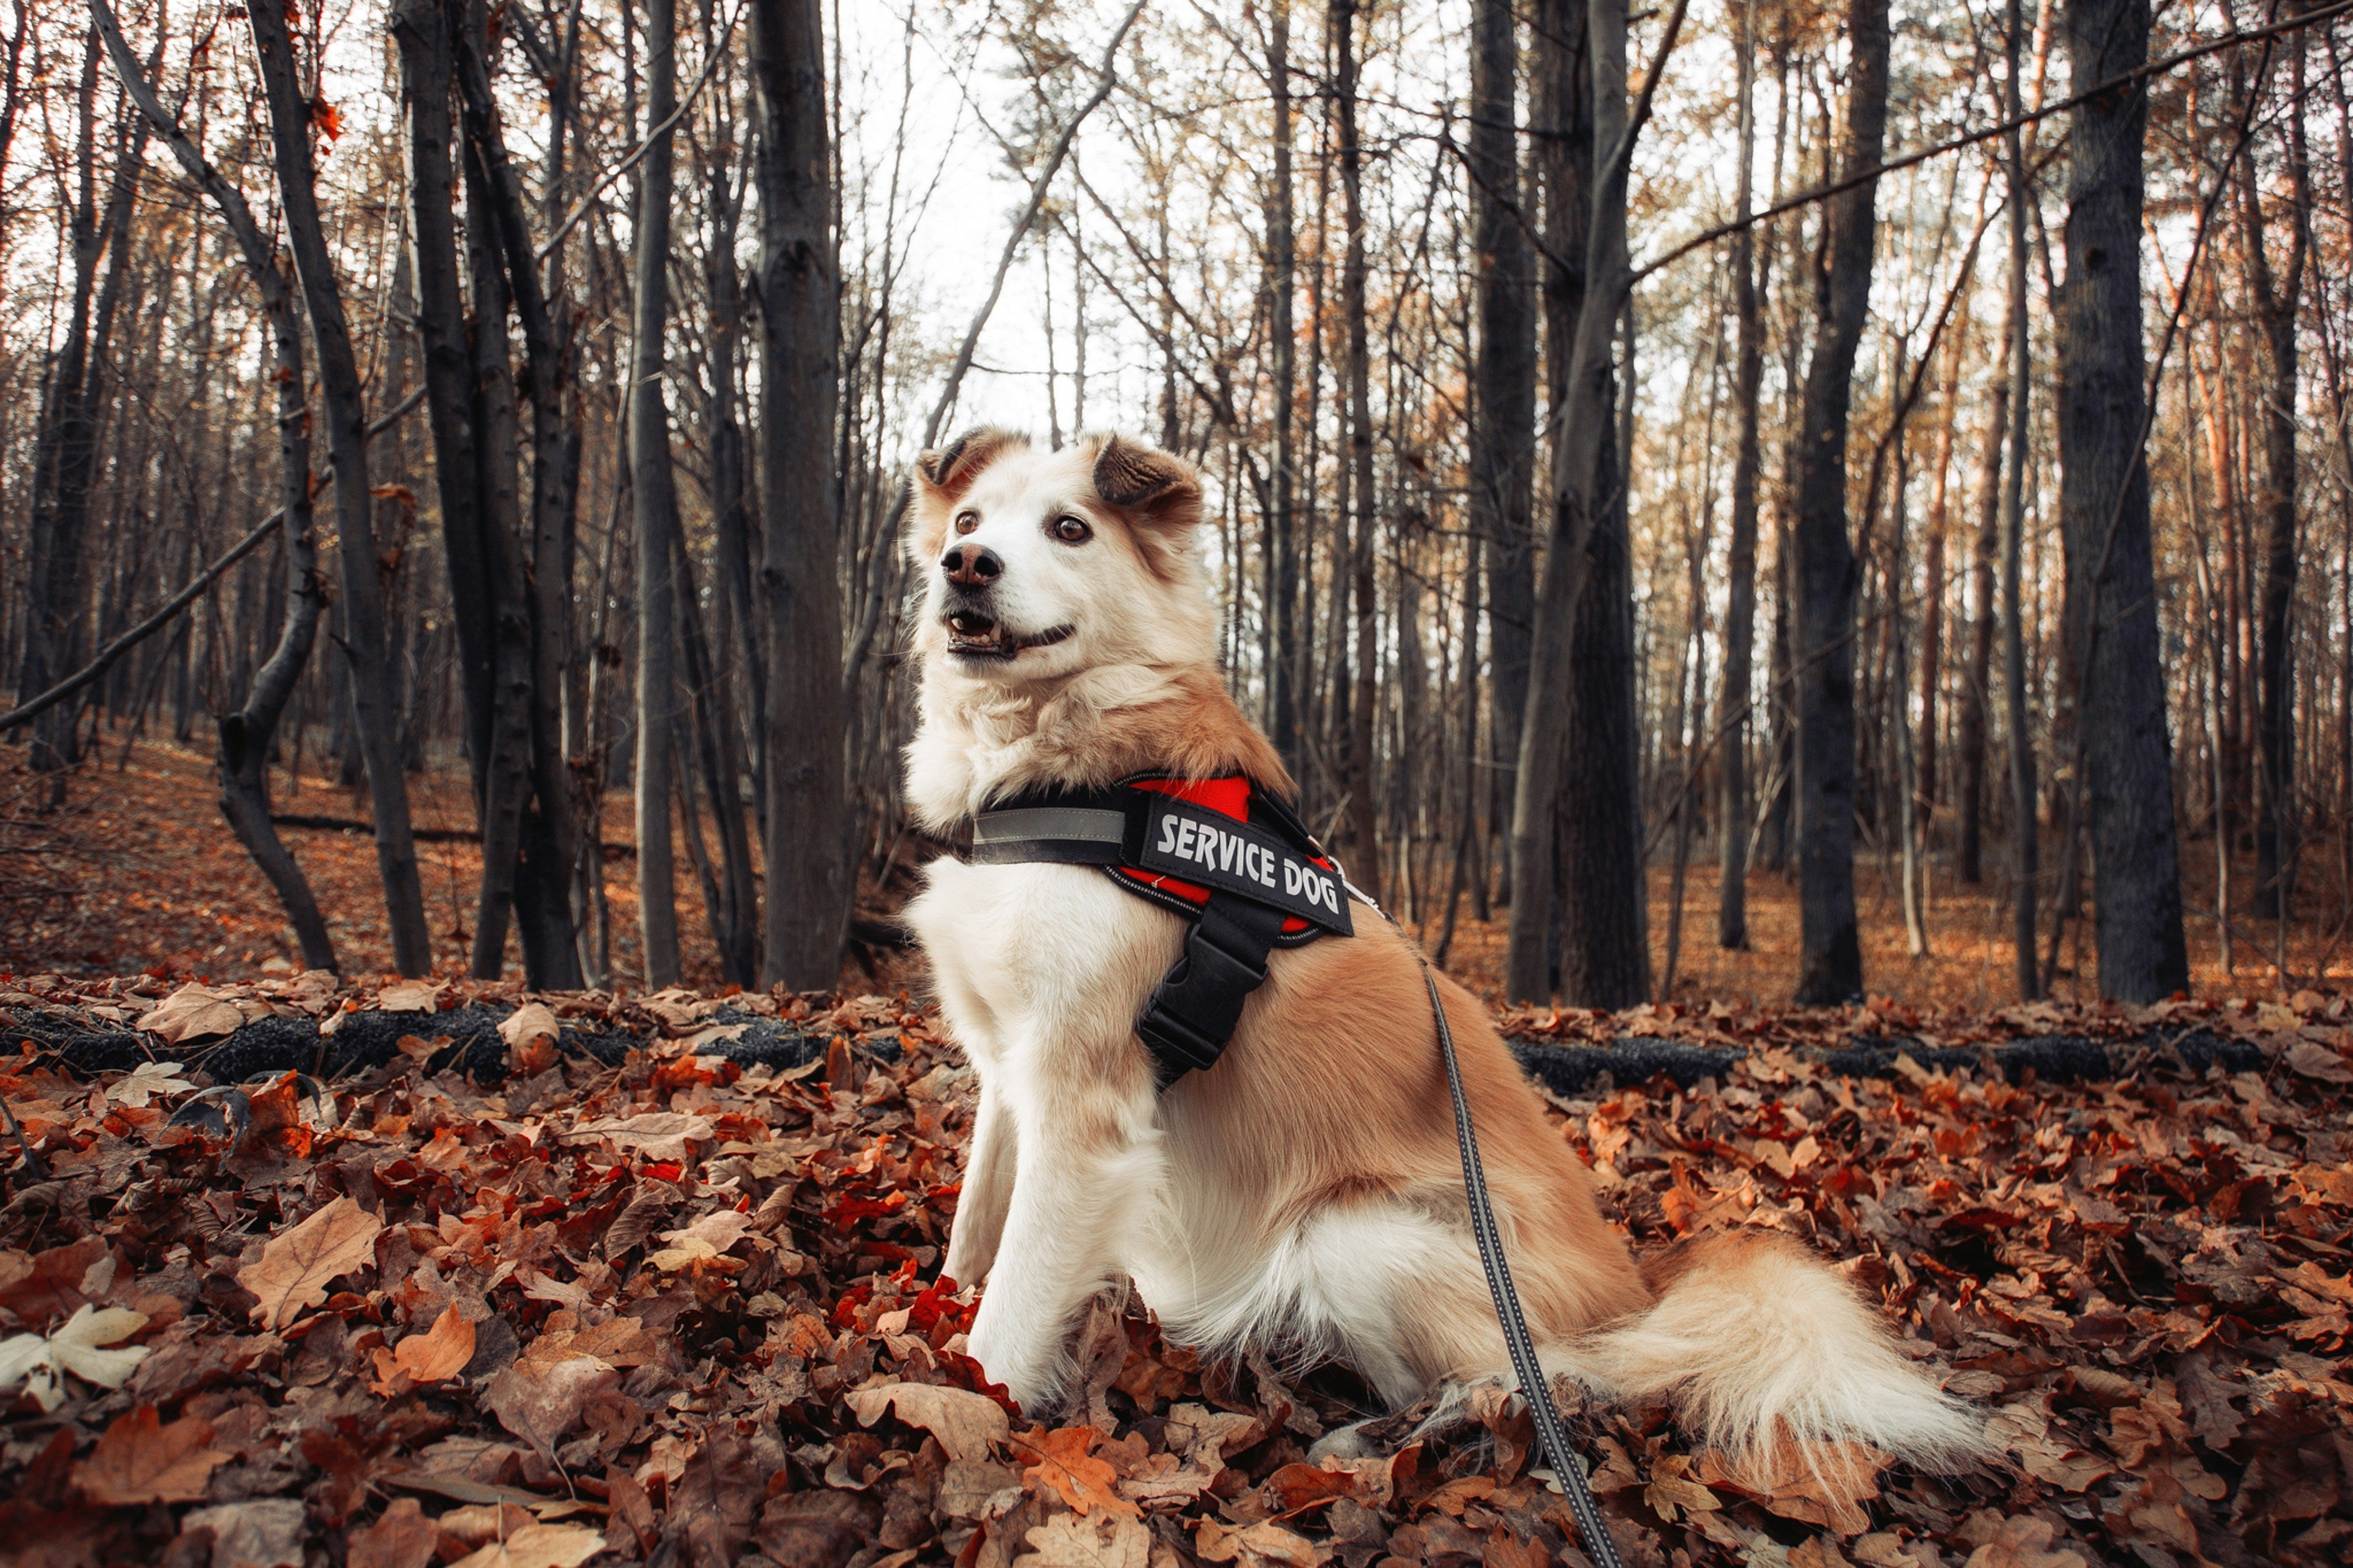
<point>987,1191</point>
<point>1087,1159</point>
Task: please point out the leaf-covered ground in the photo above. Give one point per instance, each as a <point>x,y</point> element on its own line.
<point>672,1309</point>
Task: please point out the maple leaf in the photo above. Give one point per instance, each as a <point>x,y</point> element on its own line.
<point>140,1460</point>
<point>147,1080</point>
<point>1063,1464</point>
<point>964,1423</point>
<point>75,1348</point>
<point>293,1274</point>
<point>442,1352</point>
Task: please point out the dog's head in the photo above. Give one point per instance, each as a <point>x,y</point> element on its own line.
<point>1038,565</point>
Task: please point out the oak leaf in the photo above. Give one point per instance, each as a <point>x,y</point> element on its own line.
<point>140,1460</point>
<point>1264,1545</point>
<point>293,1274</point>
<point>1064,1464</point>
<point>1070,1541</point>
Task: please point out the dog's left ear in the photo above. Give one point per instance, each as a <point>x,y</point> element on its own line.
<point>1149,485</point>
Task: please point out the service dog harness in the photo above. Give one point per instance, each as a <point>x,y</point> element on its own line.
<point>1244,869</point>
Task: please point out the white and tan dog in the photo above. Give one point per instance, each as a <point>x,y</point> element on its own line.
<point>1306,1195</point>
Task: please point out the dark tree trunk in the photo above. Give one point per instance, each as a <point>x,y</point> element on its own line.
<point>1364,852</point>
<point>807,818</point>
<point>376,714</point>
<point>2104,505</point>
<point>1830,960</point>
<point>2023,830</point>
<point>2278,296</point>
<point>1286,664</point>
<point>718,756</point>
<point>1740,595</point>
<point>654,489</point>
<point>1503,450</point>
<point>1970,737</point>
<point>248,734</point>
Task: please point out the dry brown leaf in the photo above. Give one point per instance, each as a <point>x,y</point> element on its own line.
<point>1073,1541</point>
<point>403,1538</point>
<point>964,1423</point>
<point>139,1460</point>
<point>2024,1542</point>
<point>539,1546</point>
<point>442,1352</point>
<point>1263,1545</point>
<point>1062,1462</point>
<point>2314,1061</point>
<point>192,1013</point>
<point>293,1274</point>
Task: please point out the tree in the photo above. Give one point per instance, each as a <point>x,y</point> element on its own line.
<point>1364,853</point>
<point>1285,666</point>
<point>1830,960</point>
<point>1740,608</point>
<point>2104,505</point>
<point>374,712</point>
<point>1503,387</point>
<point>808,819</point>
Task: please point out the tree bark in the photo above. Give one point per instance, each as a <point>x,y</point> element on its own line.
<point>1830,957</point>
<point>2023,855</point>
<point>1503,436</point>
<point>808,817</point>
<point>1969,726</point>
<point>2278,297</point>
<point>374,710</point>
<point>654,490</point>
<point>2104,507</point>
<point>1364,853</point>
<point>247,734</point>
<point>1286,666</point>
<point>1734,807</point>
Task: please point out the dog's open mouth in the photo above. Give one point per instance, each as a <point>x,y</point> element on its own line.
<point>972,635</point>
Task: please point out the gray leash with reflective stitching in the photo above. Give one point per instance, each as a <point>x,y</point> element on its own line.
<point>1566,1463</point>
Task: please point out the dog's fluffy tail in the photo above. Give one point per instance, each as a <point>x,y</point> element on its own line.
<point>1753,1341</point>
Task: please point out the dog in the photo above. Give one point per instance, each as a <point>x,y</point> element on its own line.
<point>1304,1197</point>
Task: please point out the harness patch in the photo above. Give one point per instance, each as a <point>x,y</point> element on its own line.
<point>1209,847</point>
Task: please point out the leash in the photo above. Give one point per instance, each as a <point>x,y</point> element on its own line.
<point>1245,870</point>
<point>1568,1466</point>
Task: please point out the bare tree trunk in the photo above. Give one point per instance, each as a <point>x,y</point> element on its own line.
<point>2023,856</point>
<point>808,817</point>
<point>1969,738</point>
<point>1503,450</point>
<point>1363,820</point>
<point>1285,665</point>
<point>245,735</point>
<point>1831,962</point>
<point>2103,502</point>
<point>374,710</point>
<point>2278,297</point>
<point>1740,596</point>
<point>653,486</point>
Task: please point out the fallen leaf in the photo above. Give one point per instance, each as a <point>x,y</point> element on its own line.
<point>2318,1061</point>
<point>409,996</point>
<point>74,1348</point>
<point>2023,1542</point>
<point>293,1274</point>
<point>964,1423</point>
<point>139,1460</point>
<point>192,1013</point>
<point>265,1533</point>
<point>531,1021</point>
<point>148,1079</point>
<point>539,1546</point>
<point>540,1398</point>
<point>442,1352</point>
<point>1064,1464</point>
<point>1261,1545</point>
<point>403,1538</point>
<point>1073,1541</point>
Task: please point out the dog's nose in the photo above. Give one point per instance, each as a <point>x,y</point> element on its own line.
<point>970,566</point>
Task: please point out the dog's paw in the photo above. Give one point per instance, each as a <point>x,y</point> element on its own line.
<point>1346,1444</point>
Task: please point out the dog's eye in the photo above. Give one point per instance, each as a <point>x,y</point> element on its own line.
<point>1071,529</point>
<point>965,522</point>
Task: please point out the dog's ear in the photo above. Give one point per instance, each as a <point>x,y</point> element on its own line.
<point>1149,485</point>
<point>947,473</point>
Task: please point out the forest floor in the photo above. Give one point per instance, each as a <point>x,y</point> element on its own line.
<point>139,872</point>
<point>622,1296</point>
